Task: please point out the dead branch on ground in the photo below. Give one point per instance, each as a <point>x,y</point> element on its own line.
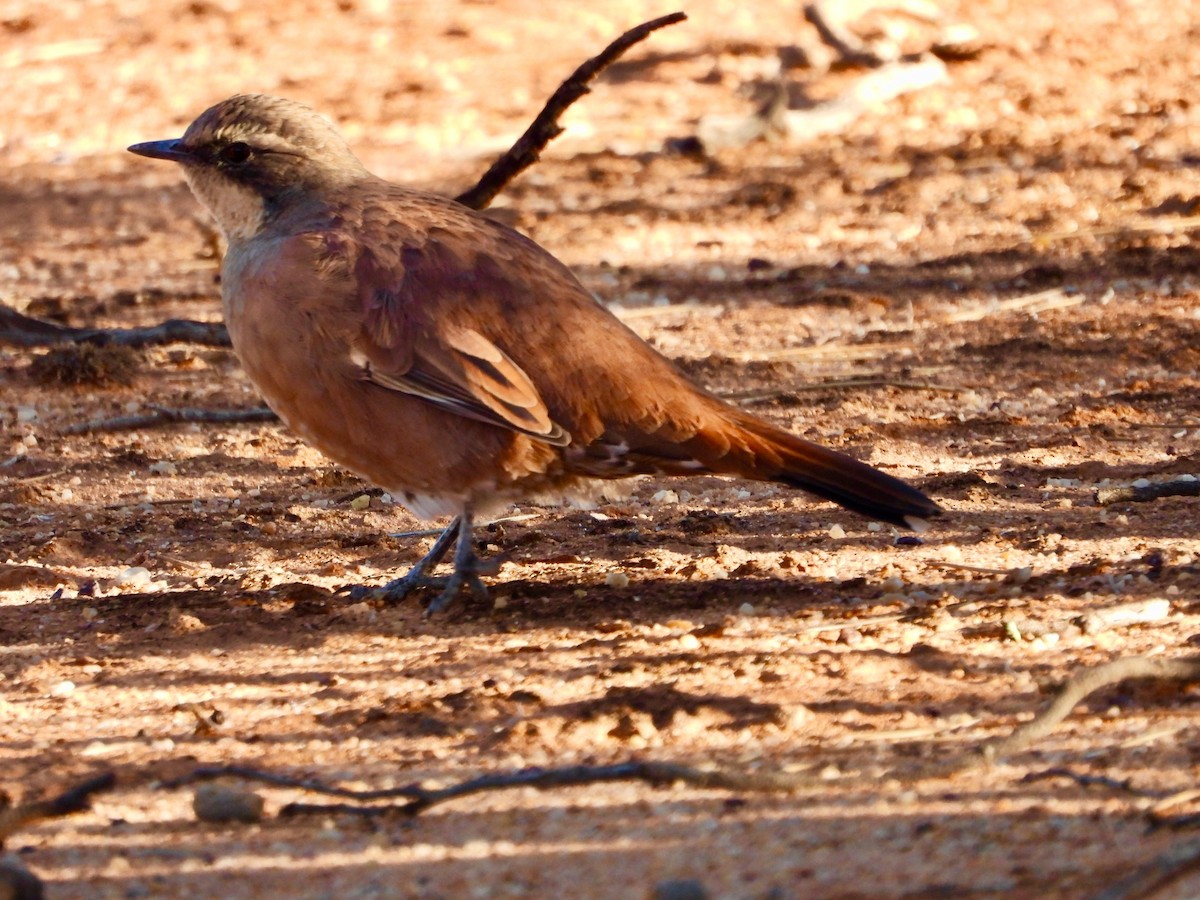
<point>833,31</point>
<point>418,798</point>
<point>26,331</point>
<point>545,127</point>
<point>72,800</point>
<point>162,415</point>
<point>1180,487</point>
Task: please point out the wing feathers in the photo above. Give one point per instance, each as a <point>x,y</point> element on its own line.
<point>488,387</point>
<point>410,349</point>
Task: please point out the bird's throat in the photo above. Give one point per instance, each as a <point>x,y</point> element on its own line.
<point>238,209</point>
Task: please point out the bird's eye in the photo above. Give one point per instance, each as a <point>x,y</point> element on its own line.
<point>236,153</point>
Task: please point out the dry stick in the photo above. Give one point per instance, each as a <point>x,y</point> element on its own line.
<point>73,800</point>
<point>26,331</point>
<point>851,50</point>
<point>981,570</point>
<point>165,416</point>
<point>525,152</point>
<point>1078,687</point>
<point>1125,229</point>
<point>1123,785</point>
<point>776,781</point>
<point>1181,488</point>
<point>841,384</point>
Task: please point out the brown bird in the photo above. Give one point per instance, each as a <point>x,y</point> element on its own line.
<point>449,359</point>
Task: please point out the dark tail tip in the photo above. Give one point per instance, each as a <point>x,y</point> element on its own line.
<point>840,478</point>
<point>868,492</point>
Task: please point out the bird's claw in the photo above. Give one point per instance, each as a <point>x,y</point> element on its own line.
<point>451,586</point>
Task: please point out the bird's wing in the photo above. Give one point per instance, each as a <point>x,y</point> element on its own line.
<point>412,342</point>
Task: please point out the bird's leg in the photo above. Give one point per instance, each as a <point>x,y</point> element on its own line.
<point>467,569</point>
<point>399,588</point>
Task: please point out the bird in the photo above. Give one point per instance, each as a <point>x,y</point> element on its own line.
<point>449,359</point>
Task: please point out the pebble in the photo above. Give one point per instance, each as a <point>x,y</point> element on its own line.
<point>362,501</point>
<point>689,642</point>
<point>665,496</point>
<point>62,689</point>
<point>616,580</point>
<point>837,532</point>
<point>746,609</point>
<point>134,576</point>
<point>219,803</point>
<point>164,467</point>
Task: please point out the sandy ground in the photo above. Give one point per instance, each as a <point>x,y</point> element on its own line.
<point>999,276</point>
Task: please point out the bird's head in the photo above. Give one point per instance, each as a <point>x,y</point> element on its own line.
<point>252,155</point>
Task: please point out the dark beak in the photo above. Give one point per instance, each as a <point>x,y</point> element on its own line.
<point>172,150</point>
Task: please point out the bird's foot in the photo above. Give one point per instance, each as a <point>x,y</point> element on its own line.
<point>468,578</point>
<point>450,586</point>
<point>395,590</point>
<point>467,573</point>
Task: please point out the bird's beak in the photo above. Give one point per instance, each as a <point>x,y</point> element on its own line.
<point>172,150</point>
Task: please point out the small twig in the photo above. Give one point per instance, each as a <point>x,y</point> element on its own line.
<point>525,152</point>
<point>850,50</point>
<point>1166,426</point>
<point>1079,687</point>
<point>1180,225</point>
<point>1124,785</point>
<point>164,416</point>
<point>839,624</point>
<point>26,331</point>
<point>1189,487</point>
<point>424,532</point>
<point>72,800</point>
<point>981,570</point>
<point>843,352</point>
<point>45,476</point>
<point>1029,304</point>
<point>842,384</point>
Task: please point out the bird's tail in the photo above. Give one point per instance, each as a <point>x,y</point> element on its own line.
<point>777,455</point>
